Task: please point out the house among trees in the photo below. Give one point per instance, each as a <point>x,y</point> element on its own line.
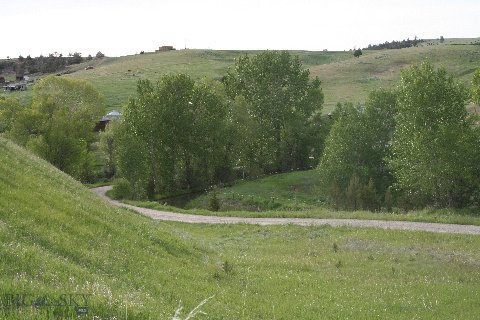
<point>102,124</point>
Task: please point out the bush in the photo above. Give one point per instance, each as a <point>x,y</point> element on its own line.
<point>122,189</point>
<point>214,202</point>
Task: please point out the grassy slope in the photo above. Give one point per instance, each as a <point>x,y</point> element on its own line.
<point>344,78</point>
<point>116,78</point>
<point>352,79</point>
<point>56,237</point>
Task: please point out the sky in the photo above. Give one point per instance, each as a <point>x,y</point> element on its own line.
<point>123,27</point>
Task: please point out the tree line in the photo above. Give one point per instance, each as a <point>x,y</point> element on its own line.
<point>396,44</point>
<point>54,62</point>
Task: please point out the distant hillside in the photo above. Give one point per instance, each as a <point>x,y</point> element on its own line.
<point>352,79</point>
<point>116,78</point>
<point>344,77</point>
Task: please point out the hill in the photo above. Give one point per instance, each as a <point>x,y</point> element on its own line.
<point>116,78</point>
<point>352,79</point>
<point>60,246</point>
<point>344,77</point>
<point>58,238</point>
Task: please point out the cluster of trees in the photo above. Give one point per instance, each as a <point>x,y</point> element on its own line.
<point>415,146</point>
<point>58,124</point>
<point>54,62</point>
<point>179,134</point>
<point>396,44</point>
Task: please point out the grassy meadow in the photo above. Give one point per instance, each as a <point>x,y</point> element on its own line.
<point>344,78</point>
<point>58,238</point>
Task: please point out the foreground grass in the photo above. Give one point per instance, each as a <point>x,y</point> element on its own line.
<point>56,237</point>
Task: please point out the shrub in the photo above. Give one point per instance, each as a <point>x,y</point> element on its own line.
<point>122,189</point>
<point>214,202</point>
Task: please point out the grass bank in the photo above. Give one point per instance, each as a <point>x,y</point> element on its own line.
<point>57,238</point>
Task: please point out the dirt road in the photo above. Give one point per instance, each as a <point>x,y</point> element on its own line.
<point>382,224</point>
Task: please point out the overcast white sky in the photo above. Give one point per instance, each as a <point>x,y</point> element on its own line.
<point>121,27</point>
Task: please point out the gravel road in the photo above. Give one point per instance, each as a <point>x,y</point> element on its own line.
<point>381,224</point>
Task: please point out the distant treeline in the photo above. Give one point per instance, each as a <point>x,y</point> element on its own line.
<point>395,44</point>
<point>54,62</point>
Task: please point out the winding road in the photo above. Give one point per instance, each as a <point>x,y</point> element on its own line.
<point>381,224</point>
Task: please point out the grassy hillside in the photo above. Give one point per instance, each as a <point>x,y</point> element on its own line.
<point>352,79</point>
<point>57,238</point>
<point>344,78</point>
<point>116,78</point>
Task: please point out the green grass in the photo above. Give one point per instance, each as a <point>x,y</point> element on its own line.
<point>56,237</point>
<point>344,78</point>
<point>116,78</point>
<point>288,191</point>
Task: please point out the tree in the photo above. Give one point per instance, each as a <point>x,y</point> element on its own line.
<point>279,100</point>
<point>435,148</point>
<point>107,147</point>
<point>75,58</point>
<point>357,53</point>
<point>9,108</point>
<point>175,129</point>
<point>476,87</point>
<point>442,39</point>
<point>99,55</point>
<point>358,143</point>
<point>58,126</point>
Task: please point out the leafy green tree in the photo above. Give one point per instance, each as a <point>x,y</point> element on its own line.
<point>354,194</point>
<point>130,155</point>
<point>178,129</point>
<point>358,143</point>
<point>435,148</point>
<point>476,87</point>
<point>345,152</point>
<point>107,147</point>
<point>357,53</point>
<point>9,108</point>
<point>279,100</point>
<point>58,125</point>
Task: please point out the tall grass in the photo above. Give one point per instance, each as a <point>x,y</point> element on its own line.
<point>56,237</point>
